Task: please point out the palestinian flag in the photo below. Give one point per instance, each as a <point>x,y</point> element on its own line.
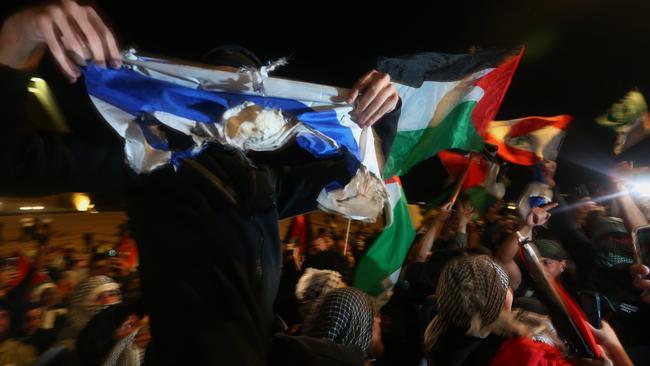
<point>455,164</point>
<point>481,187</point>
<point>528,140</point>
<point>447,102</point>
<point>379,268</point>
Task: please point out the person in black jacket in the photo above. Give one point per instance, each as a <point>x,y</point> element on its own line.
<point>209,268</point>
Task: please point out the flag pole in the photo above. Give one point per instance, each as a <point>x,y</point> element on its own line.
<point>461,181</point>
<point>347,236</point>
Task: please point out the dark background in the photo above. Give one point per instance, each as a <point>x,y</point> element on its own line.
<point>581,55</point>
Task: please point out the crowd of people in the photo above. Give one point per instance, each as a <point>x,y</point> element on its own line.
<point>465,296</point>
<point>64,305</point>
<point>213,284</point>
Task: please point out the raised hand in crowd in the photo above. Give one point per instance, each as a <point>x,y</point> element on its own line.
<point>624,205</point>
<point>72,33</point>
<point>538,216</point>
<point>432,230</point>
<point>464,213</point>
<point>641,280</point>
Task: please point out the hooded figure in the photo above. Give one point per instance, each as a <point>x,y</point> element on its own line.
<point>343,316</point>
<point>84,305</point>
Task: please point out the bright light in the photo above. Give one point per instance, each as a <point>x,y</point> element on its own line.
<point>39,88</point>
<point>31,208</point>
<point>641,186</point>
<point>81,202</point>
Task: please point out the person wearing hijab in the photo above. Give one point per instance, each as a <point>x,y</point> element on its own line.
<point>313,284</point>
<point>93,295</point>
<point>346,316</point>
<point>109,337</point>
<point>475,326</point>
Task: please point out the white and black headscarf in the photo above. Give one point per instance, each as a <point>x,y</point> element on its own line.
<point>344,316</point>
<point>313,284</point>
<point>82,304</point>
<point>470,292</point>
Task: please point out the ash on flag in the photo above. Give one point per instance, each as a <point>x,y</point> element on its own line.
<point>380,267</point>
<point>152,100</point>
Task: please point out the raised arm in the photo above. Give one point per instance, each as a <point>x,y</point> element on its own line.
<point>34,163</point>
<point>72,33</point>
<point>423,246</point>
<point>506,254</point>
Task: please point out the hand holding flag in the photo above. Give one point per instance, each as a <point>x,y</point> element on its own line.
<point>71,32</point>
<point>374,95</point>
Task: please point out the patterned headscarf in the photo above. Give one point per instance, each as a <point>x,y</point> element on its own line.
<point>315,283</point>
<point>471,291</point>
<point>82,304</point>
<point>343,316</point>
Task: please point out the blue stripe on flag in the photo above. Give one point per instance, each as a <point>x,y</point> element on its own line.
<point>136,94</point>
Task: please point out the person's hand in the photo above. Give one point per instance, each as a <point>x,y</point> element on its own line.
<point>610,344</point>
<point>374,96</point>
<point>641,281</point>
<point>605,336</point>
<point>130,325</point>
<point>465,212</point>
<point>444,213</point>
<point>539,216</point>
<point>585,206</point>
<point>143,338</point>
<point>72,33</point>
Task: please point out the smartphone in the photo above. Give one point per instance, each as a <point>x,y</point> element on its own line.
<point>641,243</point>
<point>592,305</point>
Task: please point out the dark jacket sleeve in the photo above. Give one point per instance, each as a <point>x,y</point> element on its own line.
<point>37,163</point>
<point>299,186</point>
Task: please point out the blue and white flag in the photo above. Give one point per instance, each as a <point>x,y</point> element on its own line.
<point>245,109</point>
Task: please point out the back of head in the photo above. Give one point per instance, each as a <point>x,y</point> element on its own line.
<point>315,283</point>
<point>551,249</point>
<point>471,292</point>
<point>344,316</point>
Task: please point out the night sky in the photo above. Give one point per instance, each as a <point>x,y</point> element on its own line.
<point>581,55</point>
